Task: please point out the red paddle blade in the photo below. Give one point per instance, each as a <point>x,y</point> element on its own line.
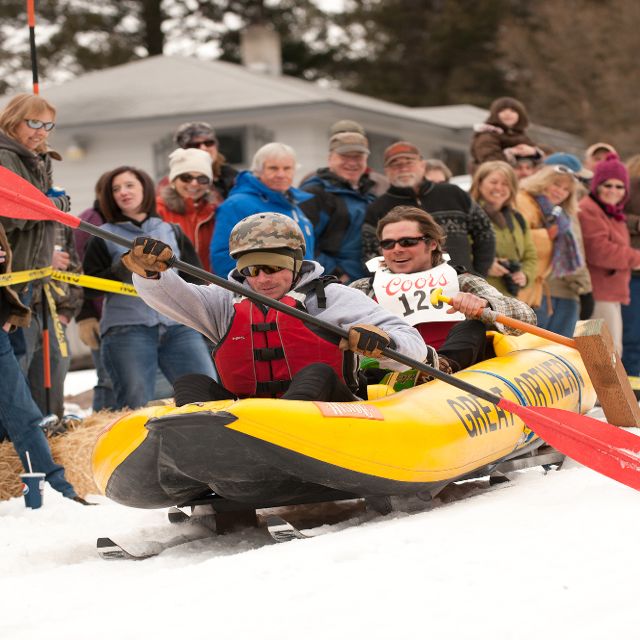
<point>20,199</point>
<point>598,445</point>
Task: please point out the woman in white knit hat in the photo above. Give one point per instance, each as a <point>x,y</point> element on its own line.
<point>189,199</point>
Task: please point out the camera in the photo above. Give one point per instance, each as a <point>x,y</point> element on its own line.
<point>512,266</point>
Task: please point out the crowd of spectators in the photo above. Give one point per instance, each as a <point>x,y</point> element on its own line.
<point>541,226</point>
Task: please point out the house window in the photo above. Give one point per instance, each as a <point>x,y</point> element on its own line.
<point>232,143</point>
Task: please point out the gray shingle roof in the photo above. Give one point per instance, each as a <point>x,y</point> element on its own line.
<point>166,86</point>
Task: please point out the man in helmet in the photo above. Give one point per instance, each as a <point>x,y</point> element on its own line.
<point>260,352</point>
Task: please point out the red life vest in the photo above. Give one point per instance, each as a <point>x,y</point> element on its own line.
<point>261,352</point>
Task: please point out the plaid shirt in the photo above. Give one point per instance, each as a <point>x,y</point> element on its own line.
<point>504,305</point>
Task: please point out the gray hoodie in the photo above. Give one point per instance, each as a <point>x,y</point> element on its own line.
<point>209,308</point>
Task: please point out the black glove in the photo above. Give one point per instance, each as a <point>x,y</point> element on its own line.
<point>367,340</point>
<point>148,257</point>
<point>587,304</point>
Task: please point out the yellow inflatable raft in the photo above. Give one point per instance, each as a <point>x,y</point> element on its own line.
<point>263,452</point>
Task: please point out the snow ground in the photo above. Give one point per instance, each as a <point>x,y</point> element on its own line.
<point>545,554</point>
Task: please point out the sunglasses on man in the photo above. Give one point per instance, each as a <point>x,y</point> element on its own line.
<point>187,178</point>
<point>403,242</point>
<point>255,269</point>
<point>197,145</point>
<point>38,124</point>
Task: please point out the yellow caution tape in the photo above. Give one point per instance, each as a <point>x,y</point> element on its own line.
<point>91,282</point>
<point>77,279</point>
<point>57,325</point>
<point>17,277</point>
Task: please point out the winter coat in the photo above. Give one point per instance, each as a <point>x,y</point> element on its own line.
<point>11,309</point>
<point>608,251</point>
<point>31,241</point>
<point>514,242</point>
<point>103,260</point>
<point>337,213</point>
<point>529,208</point>
<point>470,239</point>
<point>632,211</point>
<point>491,138</point>
<point>210,309</point>
<point>92,306</point>
<point>197,219</point>
<point>250,196</point>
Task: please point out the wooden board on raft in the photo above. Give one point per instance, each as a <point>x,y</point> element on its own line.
<point>607,373</point>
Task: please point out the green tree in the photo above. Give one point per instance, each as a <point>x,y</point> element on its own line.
<point>573,63</point>
<point>423,52</point>
<point>74,36</point>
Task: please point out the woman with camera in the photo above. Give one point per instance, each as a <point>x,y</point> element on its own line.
<point>562,289</point>
<point>494,188</point>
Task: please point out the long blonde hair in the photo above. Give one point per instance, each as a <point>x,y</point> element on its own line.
<point>538,183</point>
<point>633,166</point>
<point>17,110</point>
<point>489,167</point>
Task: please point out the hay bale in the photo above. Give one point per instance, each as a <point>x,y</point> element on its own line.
<point>72,449</point>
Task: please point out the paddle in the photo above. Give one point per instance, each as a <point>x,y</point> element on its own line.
<point>491,317</point>
<point>598,445</point>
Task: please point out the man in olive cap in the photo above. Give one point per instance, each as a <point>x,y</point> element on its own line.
<point>343,190</point>
<point>259,351</point>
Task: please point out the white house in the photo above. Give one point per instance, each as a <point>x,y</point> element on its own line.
<point>127,115</point>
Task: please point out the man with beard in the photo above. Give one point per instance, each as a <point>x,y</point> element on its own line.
<point>470,238</point>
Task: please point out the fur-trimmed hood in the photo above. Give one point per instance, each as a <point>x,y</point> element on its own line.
<point>175,202</point>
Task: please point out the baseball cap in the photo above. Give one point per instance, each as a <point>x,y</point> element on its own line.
<point>400,149</point>
<point>349,142</point>
<point>571,162</point>
<point>599,146</point>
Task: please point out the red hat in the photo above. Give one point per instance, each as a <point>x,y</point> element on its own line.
<point>610,168</point>
<point>399,150</point>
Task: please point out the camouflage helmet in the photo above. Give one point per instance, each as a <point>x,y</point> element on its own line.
<point>266,232</point>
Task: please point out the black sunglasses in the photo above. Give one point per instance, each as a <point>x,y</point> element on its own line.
<point>38,124</point>
<point>197,145</point>
<point>255,269</point>
<point>187,177</point>
<point>403,242</point>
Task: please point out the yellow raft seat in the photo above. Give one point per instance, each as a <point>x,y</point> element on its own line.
<point>267,452</point>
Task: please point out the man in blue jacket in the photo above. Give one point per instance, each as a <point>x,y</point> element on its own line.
<point>265,187</point>
<point>343,191</point>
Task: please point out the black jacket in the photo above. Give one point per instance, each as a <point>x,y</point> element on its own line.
<point>470,239</point>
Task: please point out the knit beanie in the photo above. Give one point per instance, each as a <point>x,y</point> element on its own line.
<point>186,160</point>
<point>610,168</point>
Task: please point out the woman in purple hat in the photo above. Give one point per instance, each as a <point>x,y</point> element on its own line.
<point>610,257</point>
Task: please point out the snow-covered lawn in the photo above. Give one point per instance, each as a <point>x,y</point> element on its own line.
<point>546,555</point>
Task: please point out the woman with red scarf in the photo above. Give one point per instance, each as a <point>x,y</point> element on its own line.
<point>610,257</point>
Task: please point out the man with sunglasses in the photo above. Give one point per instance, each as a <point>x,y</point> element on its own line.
<point>260,352</point>
<point>470,238</point>
<point>412,265</point>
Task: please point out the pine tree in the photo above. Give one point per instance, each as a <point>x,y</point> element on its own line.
<point>424,52</point>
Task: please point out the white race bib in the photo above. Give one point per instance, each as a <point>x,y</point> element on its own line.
<point>408,294</point>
